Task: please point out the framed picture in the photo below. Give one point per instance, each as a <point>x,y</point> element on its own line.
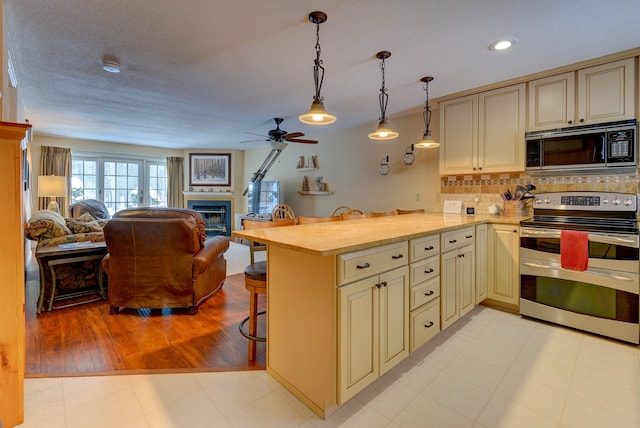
<point>210,169</point>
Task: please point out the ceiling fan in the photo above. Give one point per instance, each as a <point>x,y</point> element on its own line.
<point>278,135</point>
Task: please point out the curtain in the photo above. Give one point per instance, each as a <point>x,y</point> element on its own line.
<point>175,182</point>
<point>56,161</point>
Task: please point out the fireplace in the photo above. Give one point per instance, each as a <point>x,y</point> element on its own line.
<point>216,215</point>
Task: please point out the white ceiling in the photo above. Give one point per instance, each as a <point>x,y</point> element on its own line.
<point>203,73</point>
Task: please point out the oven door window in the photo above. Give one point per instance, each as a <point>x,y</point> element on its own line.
<point>574,150</point>
<point>597,250</point>
<point>580,297</point>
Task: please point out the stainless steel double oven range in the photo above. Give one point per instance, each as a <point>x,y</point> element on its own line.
<point>602,299</point>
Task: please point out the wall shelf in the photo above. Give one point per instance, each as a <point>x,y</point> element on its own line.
<point>306,169</point>
<point>314,193</point>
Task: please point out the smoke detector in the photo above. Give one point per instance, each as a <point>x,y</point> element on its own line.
<point>110,65</point>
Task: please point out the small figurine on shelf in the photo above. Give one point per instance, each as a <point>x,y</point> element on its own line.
<point>314,161</point>
<point>300,163</point>
<point>305,183</point>
<point>321,186</point>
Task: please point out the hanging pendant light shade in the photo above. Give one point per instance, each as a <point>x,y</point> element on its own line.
<point>317,115</point>
<point>427,141</point>
<point>383,132</point>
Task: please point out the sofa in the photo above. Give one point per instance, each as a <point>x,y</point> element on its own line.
<point>48,228</point>
<point>161,258</point>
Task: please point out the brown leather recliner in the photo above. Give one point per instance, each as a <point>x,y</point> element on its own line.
<point>160,258</point>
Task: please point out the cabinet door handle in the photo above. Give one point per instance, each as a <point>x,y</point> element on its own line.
<point>429,271</point>
<point>581,120</point>
<point>428,293</point>
<point>364,266</point>
<point>399,256</point>
<point>469,236</point>
<point>384,283</point>
<point>453,241</point>
<point>377,285</point>
<point>570,122</point>
<point>429,248</point>
<point>429,324</point>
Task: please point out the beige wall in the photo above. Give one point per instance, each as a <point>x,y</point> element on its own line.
<point>348,162</point>
<point>143,152</point>
<point>88,146</point>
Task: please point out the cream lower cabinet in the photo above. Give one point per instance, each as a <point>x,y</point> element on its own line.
<point>457,275</point>
<point>503,275</point>
<point>424,295</point>
<point>481,263</point>
<point>373,329</point>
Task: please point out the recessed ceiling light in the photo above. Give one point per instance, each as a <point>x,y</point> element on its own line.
<point>501,45</point>
<point>110,65</point>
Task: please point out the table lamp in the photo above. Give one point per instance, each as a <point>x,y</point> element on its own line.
<point>52,186</point>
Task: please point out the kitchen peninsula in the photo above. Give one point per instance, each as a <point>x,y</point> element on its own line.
<point>340,301</point>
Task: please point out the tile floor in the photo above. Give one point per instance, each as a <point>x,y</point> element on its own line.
<point>490,369</point>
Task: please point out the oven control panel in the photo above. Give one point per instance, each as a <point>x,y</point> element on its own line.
<point>589,201</point>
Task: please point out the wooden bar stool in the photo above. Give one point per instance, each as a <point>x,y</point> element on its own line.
<point>255,280</point>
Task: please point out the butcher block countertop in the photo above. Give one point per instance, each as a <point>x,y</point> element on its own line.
<point>337,237</point>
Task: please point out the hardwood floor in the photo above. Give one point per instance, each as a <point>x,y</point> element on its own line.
<point>87,340</point>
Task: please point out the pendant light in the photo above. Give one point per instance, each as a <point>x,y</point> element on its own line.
<point>427,141</point>
<point>383,132</point>
<point>317,115</point>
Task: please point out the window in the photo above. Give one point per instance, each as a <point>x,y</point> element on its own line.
<point>119,183</point>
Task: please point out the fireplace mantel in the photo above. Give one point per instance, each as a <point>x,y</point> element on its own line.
<point>205,195</point>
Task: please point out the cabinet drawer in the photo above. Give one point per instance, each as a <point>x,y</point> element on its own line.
<point>457,238</point>
<point>425,323</point>
<point>424,269</point>
<point>424,247</point>
<point>424,292</point>
<point>372,261</point>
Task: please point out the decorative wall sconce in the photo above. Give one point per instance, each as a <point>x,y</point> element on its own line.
<point>384,168</point>
<point>409,157</point>
<point>383,132</point>
<point>317,115</point>
<point>427,141</point>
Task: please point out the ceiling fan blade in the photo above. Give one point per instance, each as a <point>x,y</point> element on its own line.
<point>298,140</point>
<point>293,135</point>
<point>259,135</point>
<point>252,141</point>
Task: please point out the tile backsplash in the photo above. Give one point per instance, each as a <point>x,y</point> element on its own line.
<point>483,190</point>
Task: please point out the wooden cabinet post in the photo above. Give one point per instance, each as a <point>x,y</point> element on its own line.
<point>12,317</point>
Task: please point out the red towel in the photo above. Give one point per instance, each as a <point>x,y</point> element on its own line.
<point>574,249</point>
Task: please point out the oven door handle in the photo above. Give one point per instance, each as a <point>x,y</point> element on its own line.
<point>605,274</point>
<point>595,237</point>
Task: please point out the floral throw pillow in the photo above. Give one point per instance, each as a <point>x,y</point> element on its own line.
<point>77,226</point>
<point>46,224</point>
<point>85,218</point>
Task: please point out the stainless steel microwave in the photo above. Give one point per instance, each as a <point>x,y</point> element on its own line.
<point>591,149</point>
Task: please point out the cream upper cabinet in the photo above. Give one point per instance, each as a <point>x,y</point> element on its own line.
<point>598,94</point>
<point>458,135</point>
<point>503,274</point>
<point>483,132</point>
<point>552,102</point>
